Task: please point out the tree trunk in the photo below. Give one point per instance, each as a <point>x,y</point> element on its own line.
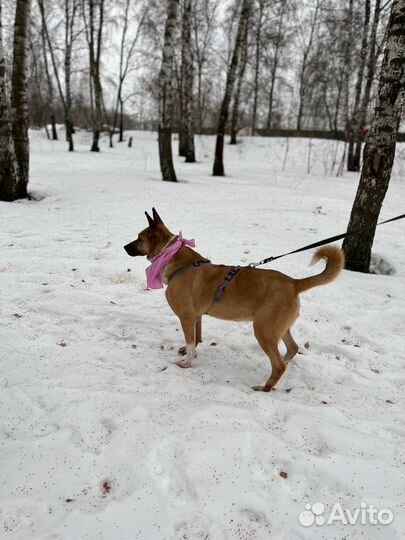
<point>66,101</point>
<point>186,134</point>
<point>347,66</point>
<point>275,67</point>
<point>371,66</point>
<point>9,175</point>
<point>236,99</point>
<point>165,95</point>
<point>53,125</point>
<point>356,128</point>
<point>257,67</point>
<point>95,44</point>
<point>218,169</point>
<point>304,64</point>
<point>19,93</point>
<point>49,83</point>
<point>380,148</point>
<point>121,135</point>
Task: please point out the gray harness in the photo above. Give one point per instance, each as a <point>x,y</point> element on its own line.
<point>196,264</point>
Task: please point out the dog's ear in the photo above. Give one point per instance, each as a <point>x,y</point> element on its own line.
<point>150,220</point>
<point>156,218</point>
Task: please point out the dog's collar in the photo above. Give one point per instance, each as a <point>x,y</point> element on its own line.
<point>195,264</point>
<point>166,246</point>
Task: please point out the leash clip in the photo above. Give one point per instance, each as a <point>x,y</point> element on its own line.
<point>264,261</point>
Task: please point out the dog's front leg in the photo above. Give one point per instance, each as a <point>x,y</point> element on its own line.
<point>189,330</point>
<point>197,335</point>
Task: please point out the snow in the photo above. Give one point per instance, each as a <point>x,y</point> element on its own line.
<point>104,437</point>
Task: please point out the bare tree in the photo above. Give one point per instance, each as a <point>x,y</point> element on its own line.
<point>186,133</point>
<point>237,95</point>
<point>380,147</point>
<point>165,95</point>
<point>70,11</point>
<point>49,82</point>
<point>258,40</point>
<point>19,93</point>
<point>370,73</point>
<point>204,22</point>
<point>94,25</point>
<point>127,53</point>
<point>9,174</point>
<point>307,45</point>
<point>276,59</point>
<point>355,127</point>
<point>218,169</point>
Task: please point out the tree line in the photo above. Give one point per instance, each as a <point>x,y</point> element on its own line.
<point>303,65</point>
<point>192,65</point>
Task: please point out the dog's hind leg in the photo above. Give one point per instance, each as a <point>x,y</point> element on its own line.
<point>189,329</point>
<point>268,338</point>
<point>198,331</point>
<point>198,337</point>
<point>292,347</point>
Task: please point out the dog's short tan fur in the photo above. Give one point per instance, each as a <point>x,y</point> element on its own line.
<point>268,298</point>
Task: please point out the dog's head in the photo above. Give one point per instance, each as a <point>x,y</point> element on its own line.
<point>151,240</point>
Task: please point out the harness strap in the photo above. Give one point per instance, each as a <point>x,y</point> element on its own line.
<point>227,279</point>
<point>195,264</point>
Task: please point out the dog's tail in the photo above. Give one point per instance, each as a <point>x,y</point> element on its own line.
<point>334,264</point>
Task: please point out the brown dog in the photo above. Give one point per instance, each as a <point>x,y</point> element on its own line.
<point>268,298</point>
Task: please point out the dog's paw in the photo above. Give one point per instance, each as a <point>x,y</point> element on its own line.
<point>184,363</point>
<point>261,389</point>
<point>182,351</point>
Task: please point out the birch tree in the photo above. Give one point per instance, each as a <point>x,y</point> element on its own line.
<point>127,53</point>
<point>370,73</point>
<point>355,127</point>
<point>70,13</point>
<point>258,42</point>
<point>204,25</point>
<point>166,95</point>
<point>236,99</point>
<point>9,176</point>
<point>307,45</point>
<point>380,147</point>
<point>19,93</point>
<point>218,169</point>
<point>276,60</point>
<point>186,135</point>
<point>94,24</point>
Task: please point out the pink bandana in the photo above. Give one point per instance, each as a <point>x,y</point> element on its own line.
<point>155,270</point>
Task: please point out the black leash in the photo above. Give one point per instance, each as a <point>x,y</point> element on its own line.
<point>323,242</point>
<point>234,270</point>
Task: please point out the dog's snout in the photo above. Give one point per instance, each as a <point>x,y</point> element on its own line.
<point>131,249</point>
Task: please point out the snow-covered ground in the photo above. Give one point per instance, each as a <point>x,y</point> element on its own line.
<point>103,437</point>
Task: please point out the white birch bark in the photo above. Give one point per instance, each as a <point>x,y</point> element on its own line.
<point>379,152</point>
<point>165,95</point>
